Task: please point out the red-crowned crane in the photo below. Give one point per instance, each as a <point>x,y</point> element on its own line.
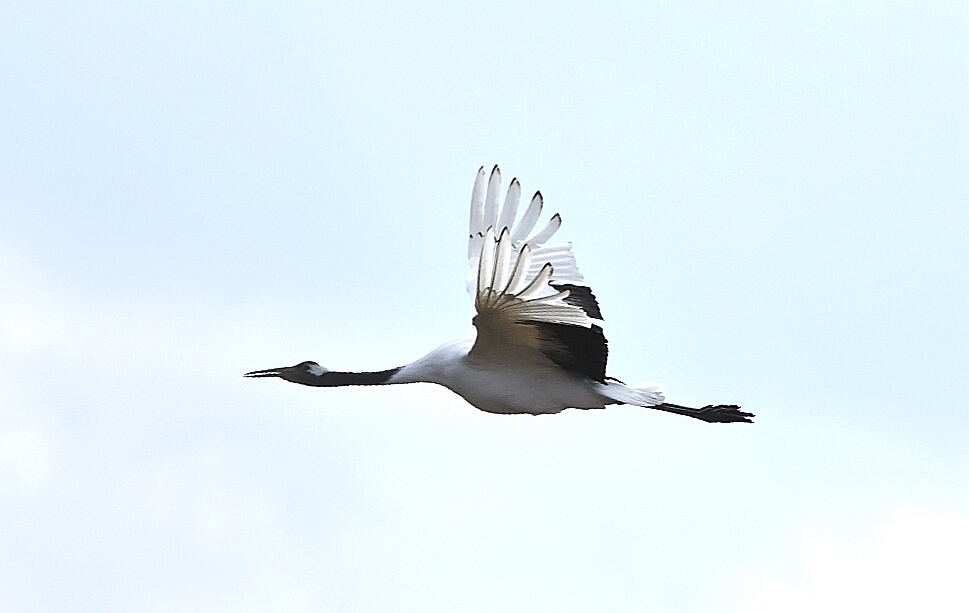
<point>539,346</point>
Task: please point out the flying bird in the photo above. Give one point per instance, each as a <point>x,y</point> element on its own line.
<point>539,346</point>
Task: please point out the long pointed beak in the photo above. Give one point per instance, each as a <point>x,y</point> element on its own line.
<point>269,372</point>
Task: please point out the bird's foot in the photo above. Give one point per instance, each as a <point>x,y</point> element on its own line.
<point>720,413</point>
<point>724,413</point>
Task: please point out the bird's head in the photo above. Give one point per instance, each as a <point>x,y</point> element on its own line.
<point>304,372</point>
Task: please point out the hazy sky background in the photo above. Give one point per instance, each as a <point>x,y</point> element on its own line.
<point>771,201</point>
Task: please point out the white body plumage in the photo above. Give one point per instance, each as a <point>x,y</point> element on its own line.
<point>523,383</point>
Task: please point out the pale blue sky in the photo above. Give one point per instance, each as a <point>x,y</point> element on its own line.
<point>770,200</point>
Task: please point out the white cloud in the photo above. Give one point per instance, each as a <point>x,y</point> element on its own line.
<point>26,456</point>
<point>27,442</point>
<point>915,562</point>
<point>70,328</point>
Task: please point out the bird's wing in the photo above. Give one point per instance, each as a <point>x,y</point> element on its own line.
<point>529,296</point>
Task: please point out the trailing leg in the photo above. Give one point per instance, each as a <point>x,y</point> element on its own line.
<point>721,413</point>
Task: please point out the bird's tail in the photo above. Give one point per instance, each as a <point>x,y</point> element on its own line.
<point>642,395</point>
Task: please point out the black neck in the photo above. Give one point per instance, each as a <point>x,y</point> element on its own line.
<point>338,379</point>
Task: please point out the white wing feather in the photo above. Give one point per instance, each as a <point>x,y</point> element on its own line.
<point>513,277</point>
<point>510,209</point>
<point>538,302</point>
<point>529,219</point>
<point>499,254</point>
<point>477,215</point>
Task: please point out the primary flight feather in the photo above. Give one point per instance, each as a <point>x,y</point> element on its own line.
<point>539,346</point>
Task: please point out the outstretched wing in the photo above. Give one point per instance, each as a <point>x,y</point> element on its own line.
<point>529,296</point>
